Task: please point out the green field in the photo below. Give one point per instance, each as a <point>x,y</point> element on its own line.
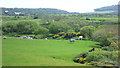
<point>36,52</point>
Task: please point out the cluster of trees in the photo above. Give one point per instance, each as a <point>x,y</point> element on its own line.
<point>23,28</point>
<point>53,24</point>
<point>104,33</point>
<point>56,24</point>
<point>48,25</point>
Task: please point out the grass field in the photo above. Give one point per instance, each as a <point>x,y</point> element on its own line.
<point>36,52</point>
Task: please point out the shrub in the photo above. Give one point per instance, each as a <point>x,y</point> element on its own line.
<point>98,58</point>
<point>61,33</point>
<point>78,34</point>
<point>60,37</point>
<point>41,30</point>
<point>110,48</point>
<point>106,35</point>
<point>82,55</point>
<point>87,31</point>
<point>9,28</point>
<point>55,36</point>
<point>101,58</point>
<point>94,56</point>
<point>26,27</point>
<point>80,60</point>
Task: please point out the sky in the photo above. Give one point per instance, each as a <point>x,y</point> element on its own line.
<point>68,5</point>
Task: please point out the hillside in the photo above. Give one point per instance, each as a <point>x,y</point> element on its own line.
<point>107,9</point>
<point>36,11</point>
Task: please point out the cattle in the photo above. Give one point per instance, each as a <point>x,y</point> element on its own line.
<point>4,37</point>
<point>29,37</point>
<point>80,37</point>
<point>46,38</point>
<point>72,40</point>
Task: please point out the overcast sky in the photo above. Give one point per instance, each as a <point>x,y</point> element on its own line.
<point>68,5</point>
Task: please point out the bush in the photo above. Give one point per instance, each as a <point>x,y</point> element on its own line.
<point>87,31</point>
<point>106,35</point>
<point>103,58</point>
<point>26,27</point>
<point>82,55</point>
<point>80,60</point>
<point>12,34</point>
<point>98,58</point>
<point>9,28</point>
<point>94,56</point>
<point>41,30</point>
<point>110,48</point>
<point>78,34</point>
<point>55,36</point>
<point>61,33</point>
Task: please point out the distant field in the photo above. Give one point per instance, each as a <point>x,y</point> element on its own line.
<point>25,52</point>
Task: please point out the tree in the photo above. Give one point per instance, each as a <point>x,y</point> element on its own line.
<point>106,34</point>
<point>87,31</point>
<point>41,30</point>
<point>27,27</point>
<point>57,27</point>
<point>9,28</point>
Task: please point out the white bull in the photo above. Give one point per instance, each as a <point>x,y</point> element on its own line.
<point>80,37</point>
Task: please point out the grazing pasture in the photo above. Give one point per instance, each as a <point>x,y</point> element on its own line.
<point>38,52</point>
